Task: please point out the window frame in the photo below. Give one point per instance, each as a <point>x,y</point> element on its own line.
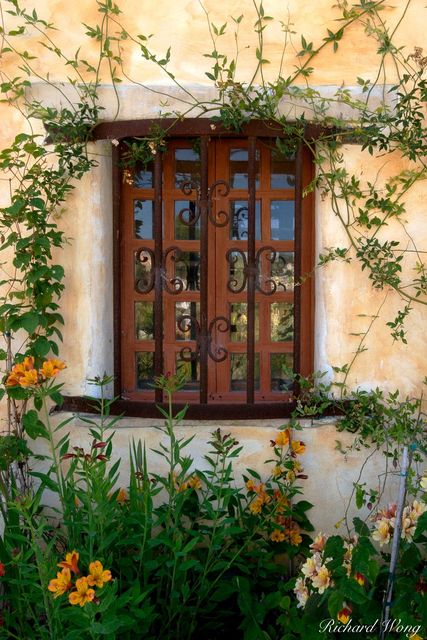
<point>303,295</point>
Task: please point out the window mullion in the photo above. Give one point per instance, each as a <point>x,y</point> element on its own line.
<point>204,240</point>
<point>251,272</point>
<point>158,261</point>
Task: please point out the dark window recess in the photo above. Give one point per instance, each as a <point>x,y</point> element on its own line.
<point>214,236</point>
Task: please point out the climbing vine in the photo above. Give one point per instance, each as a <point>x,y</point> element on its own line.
<point>41,166</point>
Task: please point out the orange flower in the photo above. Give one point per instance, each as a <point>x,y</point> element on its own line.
<point>98,576</point>
<point>61,583</point>
<point>29,379</point>
<point>360,578</point>
<point>51,368</point>
<point>122,496</point>
<point>83,593</point>
<point>282,438</point>
<point>19,370</point>
<point>298,446</point>
<point>277,536</point>
<point>70,562</point>
<point>194,482</point>
<point>256,505</point>
<point>344,615</point>
<point>250,485</point>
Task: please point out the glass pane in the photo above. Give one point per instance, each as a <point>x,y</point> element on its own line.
<point>185,226</point>
<point>236,276</point>
<point>282,321</point>
<point>280,379</point>
<point>282,170</point>
<point>239,220</point>
<point>238,371</point>
<point>282,219</point>
<point>144,370</point>
<point>239,321</point>
<point>239,168</point>
<point>143,175</point>
<point>282,271</point>
<point>190,372</point>
<point>184,328</point>
<point>187,270</point>
<point>187,167</point>
<point>143,271</point>
<point>143,218</point>
<point>144,320</point>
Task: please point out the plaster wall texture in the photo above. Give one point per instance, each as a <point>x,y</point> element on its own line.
<point>345,300</point>
<point>331,475</point>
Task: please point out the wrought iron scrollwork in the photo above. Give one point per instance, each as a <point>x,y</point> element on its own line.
<point>221,323</point>
<point>271,284</point>
<point>190,216</point>
<point>172,285</point>
<point>185,324</point>
<point>232,257</point>
<point>144,282</point>
<point>221,218</point>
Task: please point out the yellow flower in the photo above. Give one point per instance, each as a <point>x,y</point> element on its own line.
<point>295,536</point>
<point>29,378</point>
<point>83,593</point>
<point>256,505</point>
<point>290,476</point>
<point>70,562</point>
<point>51,368</point>
<point>250,485</point>
<point>98,575</point>
<point>344,615</point>
<point>61,583</point>
<point>322,580</point>
<point>282,438</point>
<point>277,536</point>
<point>122,496</point>
<point>311,566</point>
<point>298,446</point>
<point>423,482</point>
<point>382,532</point>
<point>277,471</point>
<point>194,482</point>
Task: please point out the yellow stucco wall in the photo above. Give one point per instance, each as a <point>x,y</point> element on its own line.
<point>344,297</point>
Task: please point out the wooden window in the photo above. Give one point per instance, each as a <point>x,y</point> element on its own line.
<point>214,238</point>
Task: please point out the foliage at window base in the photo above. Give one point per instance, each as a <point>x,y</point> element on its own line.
<point>180,554</point>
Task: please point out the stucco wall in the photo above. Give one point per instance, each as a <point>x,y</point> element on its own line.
<point>345,301</point>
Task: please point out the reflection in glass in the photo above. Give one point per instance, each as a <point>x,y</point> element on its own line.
<point>282,170</point>
<point>185,213</point>
<point>187,269</point>
<point>239,322</point>
<point>144,370</point>
<point>282,321</point>
<point>143,175</point>
<point>144,321</point>
<point>236,275</point>
<point>190,371</point>
<point>282,270</point>
<point>184,328</point>
<point>239,220</point>
<point>187,167</point>
<point>282,216</point>
<point>238,371</point>
<point>281,365</point>
<point>143,218</point>
<point>143,271</point>
<point>239,168</point>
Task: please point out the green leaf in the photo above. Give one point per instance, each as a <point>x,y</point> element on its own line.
<point>29,321</point>
<point>335,604</point>
<point>33,426</point>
